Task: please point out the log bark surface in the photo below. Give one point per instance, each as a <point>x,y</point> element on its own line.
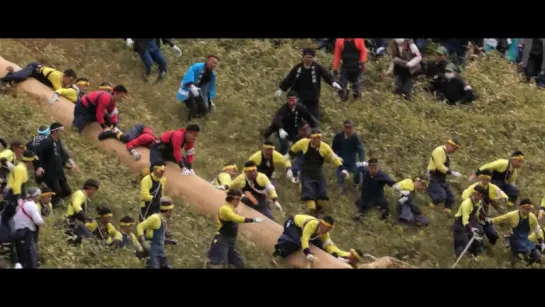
<point>193,190</point>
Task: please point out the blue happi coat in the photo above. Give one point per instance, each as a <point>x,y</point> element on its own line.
<point>208,91</point>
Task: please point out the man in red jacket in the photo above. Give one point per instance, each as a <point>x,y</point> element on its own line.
<point>169,148</point>
<point>99,106</point>
<point>138,136</point>
<point>353,54</point>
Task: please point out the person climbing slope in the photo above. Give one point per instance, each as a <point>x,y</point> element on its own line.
<point>223,250</point>
<point>149,50</point>
<point>450,87</point>
<point>523,222</point>
<point>224,179</point>
<point>305,79</point>
<point>304,133</point>
<point>373,180</point>
<point>155,229</point>
<point>73,93</point>
<point>267,158</point>
<point>257,188</point>
<point>43,133</point>
<point>198,88</point>
<point>7,160</point>
<point>152,188</point>
<point>466,223</point>
<point>407,210</point>
<point>99,106</point>
<point>48,76</point>
<point>169,148</point>
<point>45,207</point>
<point>26,221</point>
<point>347,145</point>
<point>102,228</point>
<point>353,54</point>
<point>300,231</point>
<point>18,176</point>
<point>138,136</point>
<point>493,197</point>
<point>405,65</point>
<point>287,120</point>
<point>76,213</point>
<point>128,237</point>
<point>504,174</point>
<point>313,183</point>
<point>438,169</point>
<point>51,162</point>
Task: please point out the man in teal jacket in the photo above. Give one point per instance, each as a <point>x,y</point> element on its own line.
<point>198,87</point>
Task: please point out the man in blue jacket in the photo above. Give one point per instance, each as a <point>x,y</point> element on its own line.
<point>373,181</point>
<point>347,144</point>
<point>198,87</point>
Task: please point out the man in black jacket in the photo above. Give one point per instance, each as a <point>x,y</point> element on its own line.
<point>305,79</point>
<point>51,163</point>
<point>287,121</point>
<point>149,50</point>
<point>449,86</point>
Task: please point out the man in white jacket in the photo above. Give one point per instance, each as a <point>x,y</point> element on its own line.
<point>27,220</point>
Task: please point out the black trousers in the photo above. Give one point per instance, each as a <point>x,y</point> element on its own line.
<point>197,107</point>
<point>313,105</point>
<point>27,248</point>
<point>59,186</point>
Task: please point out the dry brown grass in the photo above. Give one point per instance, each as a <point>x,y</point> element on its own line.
<point>401,134</point>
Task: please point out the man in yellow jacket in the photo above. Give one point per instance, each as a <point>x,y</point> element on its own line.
<point>438,169</point>
<point>152,188</point>
<point>407,211</point>
<point>301,230</point>
<point>504,174</point>
<point>466,223</point>
<point>223,180</point>
<point>493,197</point>
<point>523,222</point>
<point>267,158</point>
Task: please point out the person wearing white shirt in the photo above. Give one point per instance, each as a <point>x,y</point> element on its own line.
<point>27,220</point>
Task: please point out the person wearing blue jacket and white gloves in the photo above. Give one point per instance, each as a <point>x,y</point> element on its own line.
<point>198,87</point>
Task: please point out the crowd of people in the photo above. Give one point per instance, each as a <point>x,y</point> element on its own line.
<point>302,152</point>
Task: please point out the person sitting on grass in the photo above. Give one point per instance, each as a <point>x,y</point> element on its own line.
<point>128,237</point>
<point>102,228</point>
<point>452,88</point>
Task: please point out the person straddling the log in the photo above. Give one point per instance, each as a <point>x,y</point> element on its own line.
<point>99,106</point>
<point>313,183</point>
<point>149,50</point>
<point>452,88</point>
<point>138,136</point>
<point>466,223</point>
<point>305,79</point>
<point>523,222</point>
<point>48,76</point>
<point>26,221</point>
<point>198,88</point>
<point>373,180</point>
<point>128,237</point>
<point>152,188</point>
<point>76,213</point>
<point>224,179</point>
<point>288,119</point>
<point>407,210</point>
<point>347,145</point>
<point>223,250</point>
<point>494,197</point>
<point>304,132</point>
<point>405,65</point>
<point>73,93</point>
<point>18,176</point>
<point>45,207</point>
<point>257,189</point>
<point>51,162</point>
<point>102,228</point>
<point>154,228</point>
<point>302,230</point>
<point>169,148</point>
<point>353,54</point>
<point>267,158</point>
<point>438,169</point>
<point>504,174</point>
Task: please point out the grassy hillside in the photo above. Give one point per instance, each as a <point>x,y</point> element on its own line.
<point>400,134</point>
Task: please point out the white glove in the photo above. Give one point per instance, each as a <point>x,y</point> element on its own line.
<point>336,86</point>
<point>191,172</point>
<point>135,154</point>
<point>277,205</point>
<point>405,193</point>
<point>213,105</point>
<point>345,173</point>
<point>397,188</point>
<point>289,174</point>
<point>220,187</point>
<point>10,166</point>
<point>488,220</point>
<point>455,174</point>
<point>278,93</point>
<point>475,231</point>
<point>542,245</point>
<point>116,130</point>
<point>287,157</point>
<point>380,50</point>
<point>177,50</point>
<point>18,266</point>
<point>129,42</point>
<point>54,98</point>
<point>194,90</point>
<point>311,258</point>
<point>282,133</point>
<point>186,172</point>
<point>403,199</point>
<point>340,159</point>
<point>258,220</point>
